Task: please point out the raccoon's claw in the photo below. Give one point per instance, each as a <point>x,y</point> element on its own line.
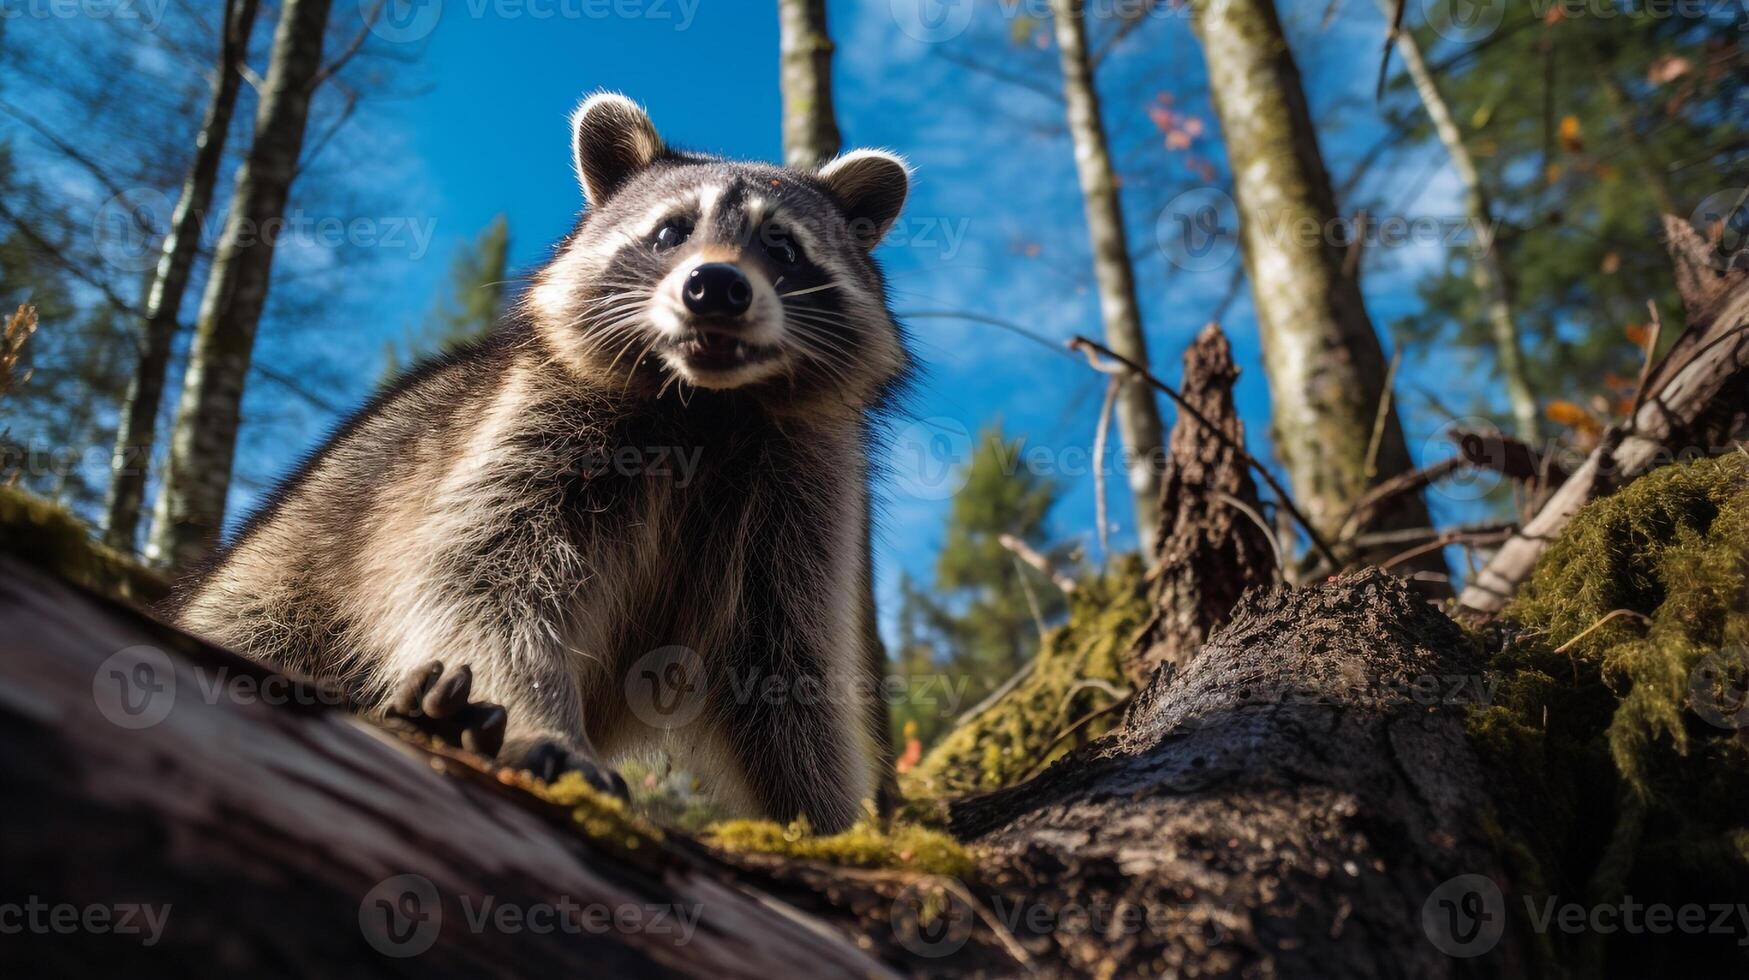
<point>548,760</point>
<point>435,701</point>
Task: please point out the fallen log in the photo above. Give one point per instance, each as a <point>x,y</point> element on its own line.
<point>269,831</point>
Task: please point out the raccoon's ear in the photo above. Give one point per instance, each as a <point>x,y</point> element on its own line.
<point>611,139</point>
<point>871,186</point>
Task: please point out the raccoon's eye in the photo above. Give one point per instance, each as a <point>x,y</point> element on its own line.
<point>672,235</point>
<point>781,246</point>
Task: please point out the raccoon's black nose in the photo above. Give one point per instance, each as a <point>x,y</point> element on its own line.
<point>717,289</point>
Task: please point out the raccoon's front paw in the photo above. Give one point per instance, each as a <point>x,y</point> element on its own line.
<point>435,701</point>
<point>548,759</point>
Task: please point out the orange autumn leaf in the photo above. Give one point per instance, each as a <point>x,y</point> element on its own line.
<point>1639,334</point>
<point>1553,173</point>
<point>1554,16</point>
<point>913,753</point>
<point>1572,416</point>
<point>1571,139</point>
<point>1611,265</point>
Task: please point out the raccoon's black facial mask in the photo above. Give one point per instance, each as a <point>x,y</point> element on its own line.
<point>719,274</point>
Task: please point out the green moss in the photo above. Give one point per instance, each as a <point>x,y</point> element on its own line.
<point>602,817</point>
<point>44,535</point>
<point>906,847</point>
<point>1612,765</point>
<point>1013,737</point>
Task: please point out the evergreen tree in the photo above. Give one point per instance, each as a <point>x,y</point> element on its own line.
<point>980,622</point>
<point>479,276</point>
<point>1586,128</point>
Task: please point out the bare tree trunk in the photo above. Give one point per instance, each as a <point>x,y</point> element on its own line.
<point>138,428</point>
<point>1485,267</point>
<point>191,505</point>
<point>1138,415</point>
<point>1326,368</point>
<point>810,128</point>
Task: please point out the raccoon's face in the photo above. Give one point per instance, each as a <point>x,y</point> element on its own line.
<point>694,271</point>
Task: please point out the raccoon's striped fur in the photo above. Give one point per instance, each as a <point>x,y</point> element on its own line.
<point>611,475</point>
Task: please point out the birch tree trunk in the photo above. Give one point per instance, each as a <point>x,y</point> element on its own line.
<point>1485,268</point>
<point>1138,415</point>
<point>1326,368</point>
<point>810,128</point>
<point>191,505</point>
<point>137,430</point>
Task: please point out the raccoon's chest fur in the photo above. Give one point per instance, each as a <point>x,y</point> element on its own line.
<point>602,528</point>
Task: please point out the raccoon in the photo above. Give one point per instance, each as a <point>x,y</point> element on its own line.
<point>654,472</point>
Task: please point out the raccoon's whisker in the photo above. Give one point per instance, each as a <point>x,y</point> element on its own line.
<point>804,292</point>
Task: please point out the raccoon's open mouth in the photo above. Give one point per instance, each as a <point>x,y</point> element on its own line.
<point>709,350</point>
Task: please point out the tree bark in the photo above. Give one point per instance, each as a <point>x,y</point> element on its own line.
<point>1138,414</point>
<point>810,128</point>
<point>191,504</point>
<point>1325,365</point>
<point>1213,542</point>
<point>138,428</point>
<point>1486,270</point>
<point>1283,804</point>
